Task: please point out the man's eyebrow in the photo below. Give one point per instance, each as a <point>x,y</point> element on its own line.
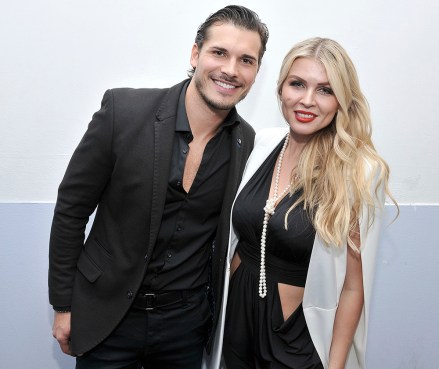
<point>247,56</point>
<point>218,48</point>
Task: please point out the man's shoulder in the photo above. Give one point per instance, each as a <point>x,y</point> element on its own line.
<point>129,92</point>
<point>246,126</point>
<point>144,98</point>
<point>133,92</point>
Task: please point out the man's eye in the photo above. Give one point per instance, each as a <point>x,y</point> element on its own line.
<point>248,61</point>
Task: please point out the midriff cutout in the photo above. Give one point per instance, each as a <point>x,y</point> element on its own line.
<point>290,298</point>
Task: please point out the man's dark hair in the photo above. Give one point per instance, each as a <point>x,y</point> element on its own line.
<point>239,16</point>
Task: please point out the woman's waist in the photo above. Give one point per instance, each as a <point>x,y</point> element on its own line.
<point>277,269</point>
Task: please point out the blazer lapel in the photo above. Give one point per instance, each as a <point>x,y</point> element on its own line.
<point>237,163</point>
<point>164,132</point>
<point>265,142</point>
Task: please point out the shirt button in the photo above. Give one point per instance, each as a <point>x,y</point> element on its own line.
<point>178,183</point>
<point>169,254</point>
<point>146,257</point>
<point>130,294</point>
<point>178,228</point>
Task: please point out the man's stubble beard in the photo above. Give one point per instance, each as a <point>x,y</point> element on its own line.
<point>214,104</point>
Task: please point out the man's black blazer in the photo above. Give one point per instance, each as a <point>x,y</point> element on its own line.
<point>121,166</point>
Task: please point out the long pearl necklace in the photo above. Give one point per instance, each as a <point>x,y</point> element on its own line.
<point>269,211</point>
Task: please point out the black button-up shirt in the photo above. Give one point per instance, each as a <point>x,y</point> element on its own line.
<point>189,222</point>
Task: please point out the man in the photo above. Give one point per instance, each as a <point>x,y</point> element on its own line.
<point>162,167</point>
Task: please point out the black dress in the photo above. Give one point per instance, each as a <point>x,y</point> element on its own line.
<point>256,335</point>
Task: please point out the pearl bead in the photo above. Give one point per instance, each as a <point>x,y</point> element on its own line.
<point>269,211</point>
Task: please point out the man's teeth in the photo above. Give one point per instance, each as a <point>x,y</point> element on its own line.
<point>224,85</point>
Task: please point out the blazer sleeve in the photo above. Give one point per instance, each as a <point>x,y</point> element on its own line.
<point>370,232</point>
<point>79,193</point>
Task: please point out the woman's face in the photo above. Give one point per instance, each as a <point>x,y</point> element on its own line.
<point>307,100</point>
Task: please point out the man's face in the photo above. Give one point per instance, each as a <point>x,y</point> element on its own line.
<point>226,65</point>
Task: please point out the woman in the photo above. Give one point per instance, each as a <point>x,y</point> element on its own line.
<point>306,223</point>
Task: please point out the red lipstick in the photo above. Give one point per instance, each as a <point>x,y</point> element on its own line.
<point>304,116</point>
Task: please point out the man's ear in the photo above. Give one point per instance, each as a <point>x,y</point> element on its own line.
<point>195,53</point>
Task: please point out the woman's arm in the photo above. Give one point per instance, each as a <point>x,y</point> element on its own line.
<point>349,308</point>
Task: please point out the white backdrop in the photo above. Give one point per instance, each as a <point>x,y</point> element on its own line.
<point>59,56</point>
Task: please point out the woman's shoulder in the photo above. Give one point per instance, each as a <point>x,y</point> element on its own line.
<point>270,135</point>
<point>372,167</point>
<point>374,177</point>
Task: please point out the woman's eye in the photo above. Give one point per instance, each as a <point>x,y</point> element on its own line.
<point>326,91</point>
<point>296,84</point>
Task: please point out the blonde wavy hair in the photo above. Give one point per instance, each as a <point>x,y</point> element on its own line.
<point>339,169</point>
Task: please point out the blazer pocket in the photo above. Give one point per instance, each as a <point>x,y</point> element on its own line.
<point>88,267</point>
<point>94,259</point>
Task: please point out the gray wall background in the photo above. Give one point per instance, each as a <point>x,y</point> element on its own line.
<point>403,323</point>
<point>59,56</point>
